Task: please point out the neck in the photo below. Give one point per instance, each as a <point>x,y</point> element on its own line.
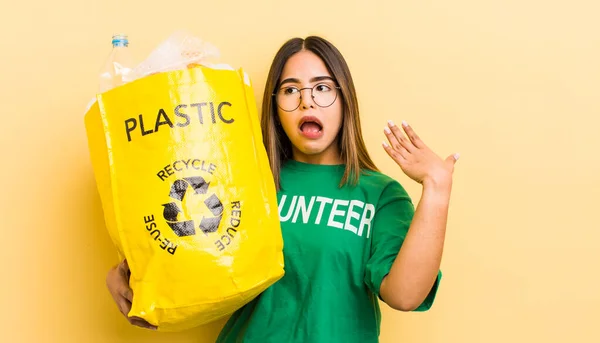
<point>328,157</point>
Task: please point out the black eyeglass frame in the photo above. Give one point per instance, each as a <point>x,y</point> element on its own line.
<point>312,89</point>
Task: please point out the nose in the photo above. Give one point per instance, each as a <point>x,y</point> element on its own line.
<point>306,99</point>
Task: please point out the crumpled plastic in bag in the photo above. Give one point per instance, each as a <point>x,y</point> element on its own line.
<point>179,51</point>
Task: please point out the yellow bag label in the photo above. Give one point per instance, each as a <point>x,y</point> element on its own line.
<point>187,193</point>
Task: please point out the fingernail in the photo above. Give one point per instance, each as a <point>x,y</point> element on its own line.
<point>456,156</point>
<point>391,123</point>
<point>387,130</point>
<point>404,123</point>
<point>385,144</point>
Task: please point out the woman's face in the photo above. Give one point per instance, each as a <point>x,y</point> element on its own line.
<point>312,122</point>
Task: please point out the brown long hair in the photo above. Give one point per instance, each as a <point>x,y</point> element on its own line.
<point>352,147</point>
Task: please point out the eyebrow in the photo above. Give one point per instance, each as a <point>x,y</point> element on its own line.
<point>314,79</point>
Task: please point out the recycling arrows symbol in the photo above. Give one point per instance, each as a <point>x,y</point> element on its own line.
<point>179,189</point>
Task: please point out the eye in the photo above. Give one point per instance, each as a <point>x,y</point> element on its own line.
<point>289,90</point>
<point>323,87</point>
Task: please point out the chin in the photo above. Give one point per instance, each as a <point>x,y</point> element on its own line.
<point>311,147</point>
<point>314,147</point>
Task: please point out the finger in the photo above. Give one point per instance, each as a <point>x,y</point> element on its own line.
<point>405,142</point>
<point>396,147</point>
<point>394,142</point>
<point>394,154</point>
<point>391,138</point>
<point>142,323</point>
<point>137,321</point>
<point>124,267</point>
<point>399,136</point>
<point>412,135</point>
<point>127,293</point>
<point>453,158</point>
<point>124,306</point>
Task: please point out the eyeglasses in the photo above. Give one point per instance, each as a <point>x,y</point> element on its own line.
<point>323,94</point>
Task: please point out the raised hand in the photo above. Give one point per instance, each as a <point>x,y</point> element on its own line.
<point>415,158</point>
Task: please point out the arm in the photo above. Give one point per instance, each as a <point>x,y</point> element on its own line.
<point>416,266</point>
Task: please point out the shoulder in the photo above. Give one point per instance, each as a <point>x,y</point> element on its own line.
<point>388,187</point>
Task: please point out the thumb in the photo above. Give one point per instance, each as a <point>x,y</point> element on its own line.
<point>453,158</point>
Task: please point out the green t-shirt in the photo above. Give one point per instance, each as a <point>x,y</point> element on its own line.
<point>339,243</point>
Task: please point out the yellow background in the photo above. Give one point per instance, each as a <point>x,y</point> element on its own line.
<point>511,85</point>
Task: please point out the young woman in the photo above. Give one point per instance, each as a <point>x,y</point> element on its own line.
<point>352,235</point>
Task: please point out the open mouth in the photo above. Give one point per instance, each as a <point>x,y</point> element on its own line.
<point>310,126</point>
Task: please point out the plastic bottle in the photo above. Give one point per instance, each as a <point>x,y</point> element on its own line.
<point>118,66</point>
